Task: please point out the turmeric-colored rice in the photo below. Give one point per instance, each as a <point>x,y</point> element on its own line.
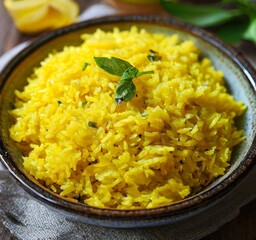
<point>172,138</point>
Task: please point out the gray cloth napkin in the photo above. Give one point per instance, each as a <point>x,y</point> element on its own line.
<point>27,219</point>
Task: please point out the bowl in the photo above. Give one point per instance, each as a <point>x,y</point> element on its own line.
<point>240,83</point>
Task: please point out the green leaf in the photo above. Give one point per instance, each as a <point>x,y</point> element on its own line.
<point>250,33</point>
<point>125,91</point>
<point>113,65</point>
<point>85,66</point>
<point>248,7</point>
<point>230,34</point>
<point>200,15</point>
<point>129,74</point>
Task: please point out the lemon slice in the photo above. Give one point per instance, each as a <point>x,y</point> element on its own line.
<point>34,16</point>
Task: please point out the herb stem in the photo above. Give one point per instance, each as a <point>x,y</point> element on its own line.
<point>145,72</point>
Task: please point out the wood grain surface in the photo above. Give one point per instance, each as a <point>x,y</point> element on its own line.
<point>243,227</point>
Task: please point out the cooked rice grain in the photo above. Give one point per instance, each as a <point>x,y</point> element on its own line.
<point>174,137</point>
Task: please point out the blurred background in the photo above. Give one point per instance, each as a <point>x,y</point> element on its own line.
<point>232,20</point>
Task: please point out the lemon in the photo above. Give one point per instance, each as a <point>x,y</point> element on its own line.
<point>35,16</point>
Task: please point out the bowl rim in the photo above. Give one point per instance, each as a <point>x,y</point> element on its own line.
<point>194,202</point>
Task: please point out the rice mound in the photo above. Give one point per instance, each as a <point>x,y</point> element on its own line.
<point>174,137</point>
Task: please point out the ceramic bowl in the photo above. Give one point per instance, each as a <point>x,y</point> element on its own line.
<point>240,83</point>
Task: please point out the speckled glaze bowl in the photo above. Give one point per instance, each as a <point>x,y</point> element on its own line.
<point>240,78</point>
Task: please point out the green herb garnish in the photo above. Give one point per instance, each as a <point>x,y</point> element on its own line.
<point>125,89</point>
<point>232,20</point>
<point>92,124</point>
<point>85,66</point>
<point>59,102</point>
<point>84,104</point>
<point>153,56</point>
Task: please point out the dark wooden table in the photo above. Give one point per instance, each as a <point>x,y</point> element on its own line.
<point>242,227</point>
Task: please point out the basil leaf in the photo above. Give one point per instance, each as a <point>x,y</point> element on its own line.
<point>125,91</point>
<point>250,33</point>
<point>113,65</point>
<point>200,15</point>
<point>129,74</point>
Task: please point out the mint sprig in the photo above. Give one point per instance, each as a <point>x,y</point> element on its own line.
<point>113,65</point>
<point>125,89</point>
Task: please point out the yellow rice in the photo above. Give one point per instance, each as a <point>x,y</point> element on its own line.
<point>174,137</point>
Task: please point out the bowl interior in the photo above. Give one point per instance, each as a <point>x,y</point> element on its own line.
<point>238,80</point>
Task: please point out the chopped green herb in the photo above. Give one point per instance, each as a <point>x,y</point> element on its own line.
<point>59,102</point>
<point>125,89</point>
<point>84,104</point>
<point>153,56</point>
<point>85,66</point>
<point>92,124</point>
